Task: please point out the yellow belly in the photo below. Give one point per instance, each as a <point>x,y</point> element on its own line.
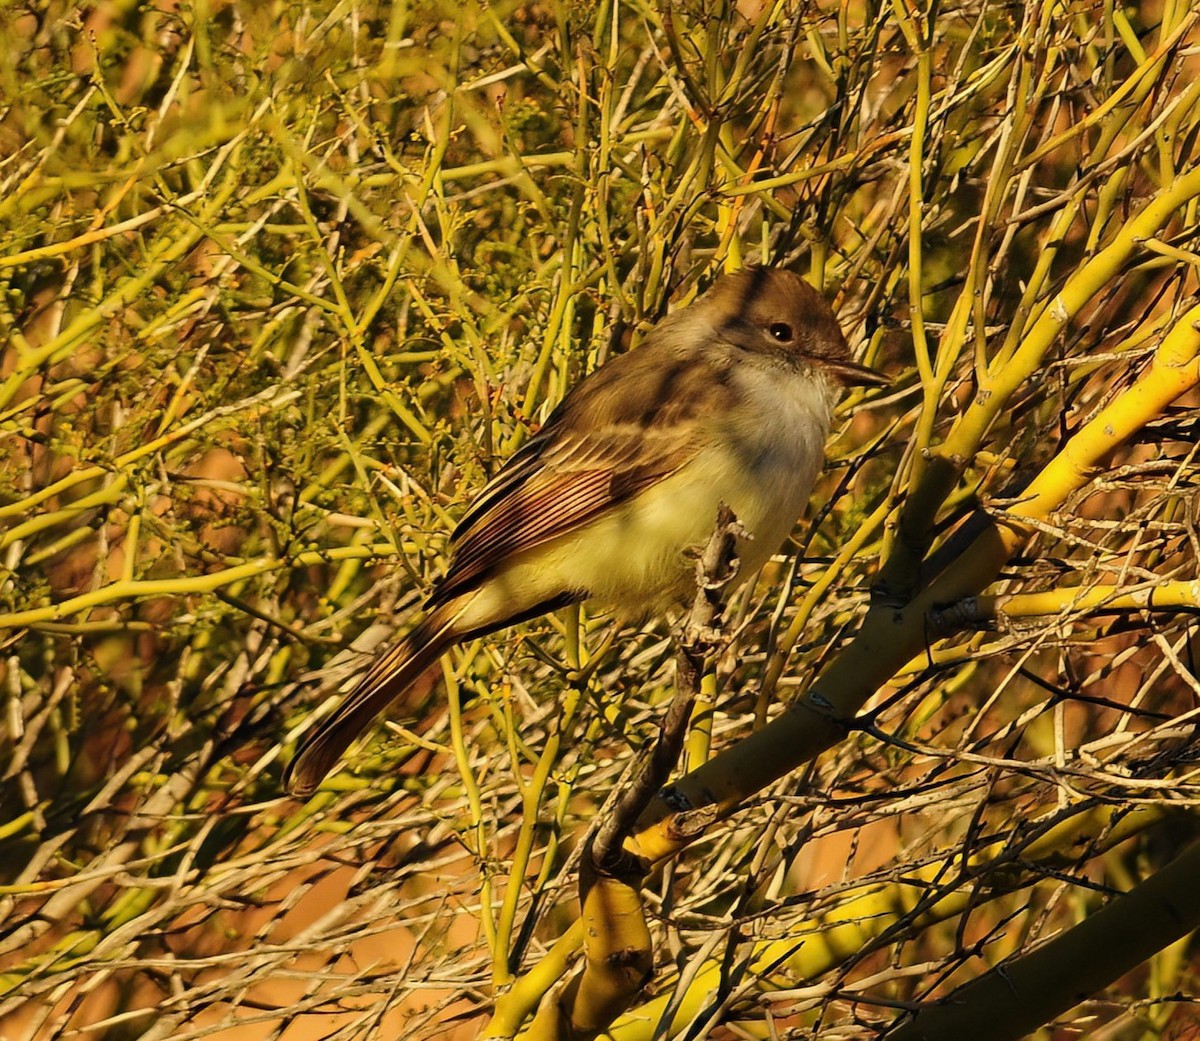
<point>636,559</point>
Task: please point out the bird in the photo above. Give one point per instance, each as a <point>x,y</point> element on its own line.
<point>727,401</point>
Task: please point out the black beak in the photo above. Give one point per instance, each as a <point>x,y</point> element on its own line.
<point>854,375</point>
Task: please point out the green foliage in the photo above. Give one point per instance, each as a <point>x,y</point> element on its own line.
<point>281,284</point>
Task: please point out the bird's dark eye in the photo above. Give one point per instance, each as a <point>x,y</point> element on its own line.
<point>781,331</point>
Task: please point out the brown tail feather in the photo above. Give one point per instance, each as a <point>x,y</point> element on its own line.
<point>392,672</point>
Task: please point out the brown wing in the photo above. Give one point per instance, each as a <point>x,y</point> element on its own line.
<point>560,491</point>
<point>630,424</point>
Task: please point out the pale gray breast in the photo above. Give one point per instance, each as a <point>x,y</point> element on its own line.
<point>782,421</point>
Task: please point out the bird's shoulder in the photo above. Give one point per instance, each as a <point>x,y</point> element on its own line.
<point>656,386</point>
<point>635,420</point>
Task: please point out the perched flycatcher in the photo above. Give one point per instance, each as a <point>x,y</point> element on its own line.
<point>727,401</point>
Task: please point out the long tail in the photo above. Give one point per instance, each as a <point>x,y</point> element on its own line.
<point>389,676</point>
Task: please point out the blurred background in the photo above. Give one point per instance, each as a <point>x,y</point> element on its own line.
<point>282,284</point>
